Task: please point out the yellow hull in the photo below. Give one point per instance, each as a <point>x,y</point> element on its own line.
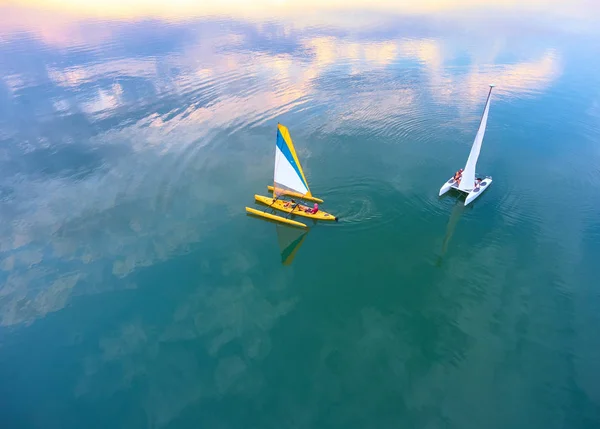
<point>298,195</point>
<point>275,218</point>
<point>297,211</point>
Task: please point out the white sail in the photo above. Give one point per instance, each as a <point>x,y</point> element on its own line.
<point>288,171</point>
<point>467,183</point>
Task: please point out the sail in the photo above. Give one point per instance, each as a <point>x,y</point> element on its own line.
<point>288,171</point>
<point>290,240</point>
<point>467,183</point>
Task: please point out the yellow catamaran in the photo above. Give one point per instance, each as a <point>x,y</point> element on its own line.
<point>289,181</point>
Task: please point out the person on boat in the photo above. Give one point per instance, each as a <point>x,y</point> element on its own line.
<point>458,175</point>
<point>289,203</point>
<point>478,182</point>
<point>314,210</point>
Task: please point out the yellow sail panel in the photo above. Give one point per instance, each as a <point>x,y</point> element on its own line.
<point>288,173</point>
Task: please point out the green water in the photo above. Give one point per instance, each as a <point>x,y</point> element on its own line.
<point>136,293</point>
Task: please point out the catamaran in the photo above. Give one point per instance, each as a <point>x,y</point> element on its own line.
<point>466,182</point>
<point>289,181</point>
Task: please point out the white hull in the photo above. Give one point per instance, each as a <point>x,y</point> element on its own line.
<point>447,186</point>
<point>471,195</point>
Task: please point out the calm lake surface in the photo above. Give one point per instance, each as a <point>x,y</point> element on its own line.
<point>136,293</point>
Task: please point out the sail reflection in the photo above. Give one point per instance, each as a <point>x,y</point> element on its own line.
<point>289,239</point>
<point>457,212</point>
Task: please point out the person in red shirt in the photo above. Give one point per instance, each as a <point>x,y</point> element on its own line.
<point>314,210</point>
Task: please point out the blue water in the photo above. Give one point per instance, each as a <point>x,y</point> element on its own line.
<point>136,293</point>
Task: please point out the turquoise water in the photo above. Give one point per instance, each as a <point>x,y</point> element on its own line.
<point>136,293</point>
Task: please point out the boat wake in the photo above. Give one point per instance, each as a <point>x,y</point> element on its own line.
<point>360,203</point>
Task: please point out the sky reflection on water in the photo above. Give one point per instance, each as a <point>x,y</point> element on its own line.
<point>125,134</point>
<point>134,93</point>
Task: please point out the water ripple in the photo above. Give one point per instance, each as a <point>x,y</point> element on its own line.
<point>358,203</point>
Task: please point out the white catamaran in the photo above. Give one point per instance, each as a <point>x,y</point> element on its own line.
<point>465,180</point>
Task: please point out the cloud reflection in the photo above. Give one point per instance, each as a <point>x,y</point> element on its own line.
<point>145,118</point>
<point>512,80</point>
<point>184,9</point>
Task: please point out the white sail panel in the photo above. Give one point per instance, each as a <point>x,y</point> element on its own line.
<point>467,183</point>
<point>286,176</point>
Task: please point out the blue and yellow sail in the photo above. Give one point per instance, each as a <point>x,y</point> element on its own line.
<point>288,175</point>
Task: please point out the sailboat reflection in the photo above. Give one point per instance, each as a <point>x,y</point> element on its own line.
<point>289,239</point>
<point>457,212</point>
